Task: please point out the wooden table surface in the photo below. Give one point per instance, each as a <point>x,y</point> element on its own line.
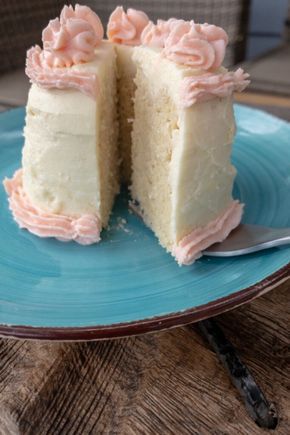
<point>164,383</point>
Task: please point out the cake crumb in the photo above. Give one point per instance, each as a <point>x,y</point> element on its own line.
<point>121,222</point>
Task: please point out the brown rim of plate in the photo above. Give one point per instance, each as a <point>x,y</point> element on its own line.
<point>153,324</point>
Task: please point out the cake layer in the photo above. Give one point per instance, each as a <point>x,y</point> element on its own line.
<point>70,157</point>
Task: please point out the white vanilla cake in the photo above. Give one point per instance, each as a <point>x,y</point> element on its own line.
<point>173,139</point>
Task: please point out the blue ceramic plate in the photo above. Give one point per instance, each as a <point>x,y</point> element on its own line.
<point>128,284</point>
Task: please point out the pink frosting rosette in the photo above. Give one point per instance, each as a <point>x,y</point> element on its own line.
<point>200,46</point>
<point>154,35</point>
<point>72,38</point>
<point>67,41</point>
<point>126,28</point>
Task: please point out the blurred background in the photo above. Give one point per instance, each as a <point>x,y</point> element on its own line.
<point>259,40</point>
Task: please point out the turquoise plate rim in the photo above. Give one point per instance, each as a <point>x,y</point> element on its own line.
<point>155,323</point>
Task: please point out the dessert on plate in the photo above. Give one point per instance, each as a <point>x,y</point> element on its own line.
<point>153,101</point>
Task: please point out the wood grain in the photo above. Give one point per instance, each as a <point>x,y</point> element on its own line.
<point>164,383</point>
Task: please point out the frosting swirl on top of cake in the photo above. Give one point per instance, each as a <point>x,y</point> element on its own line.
<point>72,38</point>
<point>68,41</point>
<point>126,27</point>
<point>200,46</point>
<point>154,35</point>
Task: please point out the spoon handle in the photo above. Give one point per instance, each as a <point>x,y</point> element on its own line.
<point>249,238</point>
<point>261,411</point>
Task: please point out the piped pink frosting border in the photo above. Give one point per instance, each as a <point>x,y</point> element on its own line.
<point>60,78</point>
<point>212,85</point>
<point>191,246</point>
<point>84,229</point>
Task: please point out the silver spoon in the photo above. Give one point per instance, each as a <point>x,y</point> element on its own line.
<point>249,238</point>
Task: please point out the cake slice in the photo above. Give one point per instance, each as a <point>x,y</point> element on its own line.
<point>182,136</point>
<point>70,158</point>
